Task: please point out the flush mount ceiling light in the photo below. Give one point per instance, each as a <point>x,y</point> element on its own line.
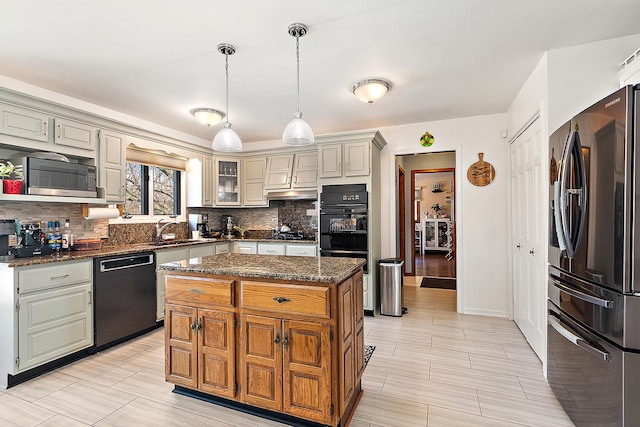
<point>298,132</point>
<point>207,116</point>
<point>227,140</point>
<point>370,90</point>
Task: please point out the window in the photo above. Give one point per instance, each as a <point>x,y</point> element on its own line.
<point>152,190</point>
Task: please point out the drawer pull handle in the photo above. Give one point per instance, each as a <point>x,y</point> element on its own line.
<point>58,277</point>
<point>197,291</point>
<point>280,300</point>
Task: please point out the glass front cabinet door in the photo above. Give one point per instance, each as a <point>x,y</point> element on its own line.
<point>228,182</point>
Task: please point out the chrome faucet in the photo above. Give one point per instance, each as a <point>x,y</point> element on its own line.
<point>159,229</point>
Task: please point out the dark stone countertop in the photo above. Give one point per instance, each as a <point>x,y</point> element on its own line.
<point>128,249</point>
<point>290,268</point>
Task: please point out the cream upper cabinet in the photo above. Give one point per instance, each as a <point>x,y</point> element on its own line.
<point>228,182</point>
<point>348,159</point>
<point>279,169</point>
<point>207,180</point>
<point>253,182</point>
<point>305,170</point>
<point>24,123</point>
<point>74,134</point>
<point>299,170</point>
<point>200,181</point>
<point>112,146</point>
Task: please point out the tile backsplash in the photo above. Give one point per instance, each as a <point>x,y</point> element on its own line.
<point>300,215</point>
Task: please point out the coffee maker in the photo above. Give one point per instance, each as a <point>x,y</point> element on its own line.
<point>8,239</point>
<point>200,223</point>
<point>32,241</point>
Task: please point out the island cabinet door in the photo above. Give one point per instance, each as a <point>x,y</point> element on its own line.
<point>261,360</point>
<point>216,352</point>
<point>180,345</point>
<point>359,322</point>
<point>346,343</point>
<point>307,370</point>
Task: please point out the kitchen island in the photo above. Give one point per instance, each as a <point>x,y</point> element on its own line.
<point>278,336</point>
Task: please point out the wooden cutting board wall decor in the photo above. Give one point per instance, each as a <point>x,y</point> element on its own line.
<point>481,173</point>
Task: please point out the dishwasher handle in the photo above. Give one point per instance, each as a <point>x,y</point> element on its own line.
<point>130,261</point>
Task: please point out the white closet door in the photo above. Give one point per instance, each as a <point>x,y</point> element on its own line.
<point>528,237</point>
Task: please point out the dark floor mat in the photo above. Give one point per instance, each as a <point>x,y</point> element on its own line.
<point>438,282</point>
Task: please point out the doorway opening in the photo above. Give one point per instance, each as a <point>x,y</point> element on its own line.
<point>427,214</point>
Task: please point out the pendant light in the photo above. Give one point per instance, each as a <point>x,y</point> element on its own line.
<point>298,132</point>
<point>227,140</point>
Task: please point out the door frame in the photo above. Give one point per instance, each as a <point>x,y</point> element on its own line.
<point>453,219</point>
<point>402,213</point>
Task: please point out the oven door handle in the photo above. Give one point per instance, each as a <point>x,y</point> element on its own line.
<point>592,299</point>
<point>575,339</point>
<point>339,251</point>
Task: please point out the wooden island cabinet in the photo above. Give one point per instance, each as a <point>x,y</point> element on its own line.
<point>280,333</point>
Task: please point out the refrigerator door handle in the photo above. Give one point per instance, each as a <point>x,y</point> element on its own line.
<point>573,155</point>
<point>575,339</point>
<point>592,299</point>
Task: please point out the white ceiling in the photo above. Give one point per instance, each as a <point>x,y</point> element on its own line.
<point>157,59</point>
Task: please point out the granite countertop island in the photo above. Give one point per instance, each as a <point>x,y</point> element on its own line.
<point>278,336</point>
<point>289,268</point>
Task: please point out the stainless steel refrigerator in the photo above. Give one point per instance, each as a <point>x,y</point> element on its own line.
<point>593,333</point>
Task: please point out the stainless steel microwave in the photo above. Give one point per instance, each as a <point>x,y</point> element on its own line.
<point>58,178</point>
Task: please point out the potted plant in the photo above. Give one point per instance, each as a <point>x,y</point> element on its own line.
<point>12,177</point>
<point>436,208</point>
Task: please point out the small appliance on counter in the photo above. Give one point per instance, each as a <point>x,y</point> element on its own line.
<point>32,241</point>
<point>199,223</point>
<point>226,221</point>
<point>7,239</point>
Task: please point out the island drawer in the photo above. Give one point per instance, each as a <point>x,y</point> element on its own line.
<point>199,291</point>
<point>285,298</point>
<point>35,278</point>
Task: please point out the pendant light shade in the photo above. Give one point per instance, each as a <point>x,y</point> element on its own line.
<point>298,132</point>
<point>227,140</point>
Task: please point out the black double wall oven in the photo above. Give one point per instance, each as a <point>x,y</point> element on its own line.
<point>344,221</point>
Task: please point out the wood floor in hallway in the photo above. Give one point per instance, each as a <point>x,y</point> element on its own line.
<point>434,264</point>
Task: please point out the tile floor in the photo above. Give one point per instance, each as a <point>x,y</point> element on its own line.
<point>432,367</point>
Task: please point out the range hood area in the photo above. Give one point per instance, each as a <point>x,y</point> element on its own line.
<point>292,194</point>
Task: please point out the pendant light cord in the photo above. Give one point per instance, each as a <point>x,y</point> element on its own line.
<point>298,70</point>
<point>226,69</point>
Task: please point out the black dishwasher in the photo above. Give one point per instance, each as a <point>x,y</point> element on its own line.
<point>124,297</point>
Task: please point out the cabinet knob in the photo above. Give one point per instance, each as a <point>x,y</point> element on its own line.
<point>194,325</point>
<point>276,340</point>
<point>285,342</point>
<point>518,246</point>
<point>531,251</point>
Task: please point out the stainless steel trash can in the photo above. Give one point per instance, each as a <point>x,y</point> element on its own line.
<point>391,282</point>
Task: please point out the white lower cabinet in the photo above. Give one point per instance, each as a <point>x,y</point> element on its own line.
<point>198,251</point>
<point>271,248</point>
<point>367,289</point>
<point>240,247</point>
<point>54,312</point>
<point>163,256</point>
<point>221,248</point>
<point>53,324</point>
<point>301,249</point>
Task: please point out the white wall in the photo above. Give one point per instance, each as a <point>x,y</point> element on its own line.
<point>580,75</point>
<point>481,212</point>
